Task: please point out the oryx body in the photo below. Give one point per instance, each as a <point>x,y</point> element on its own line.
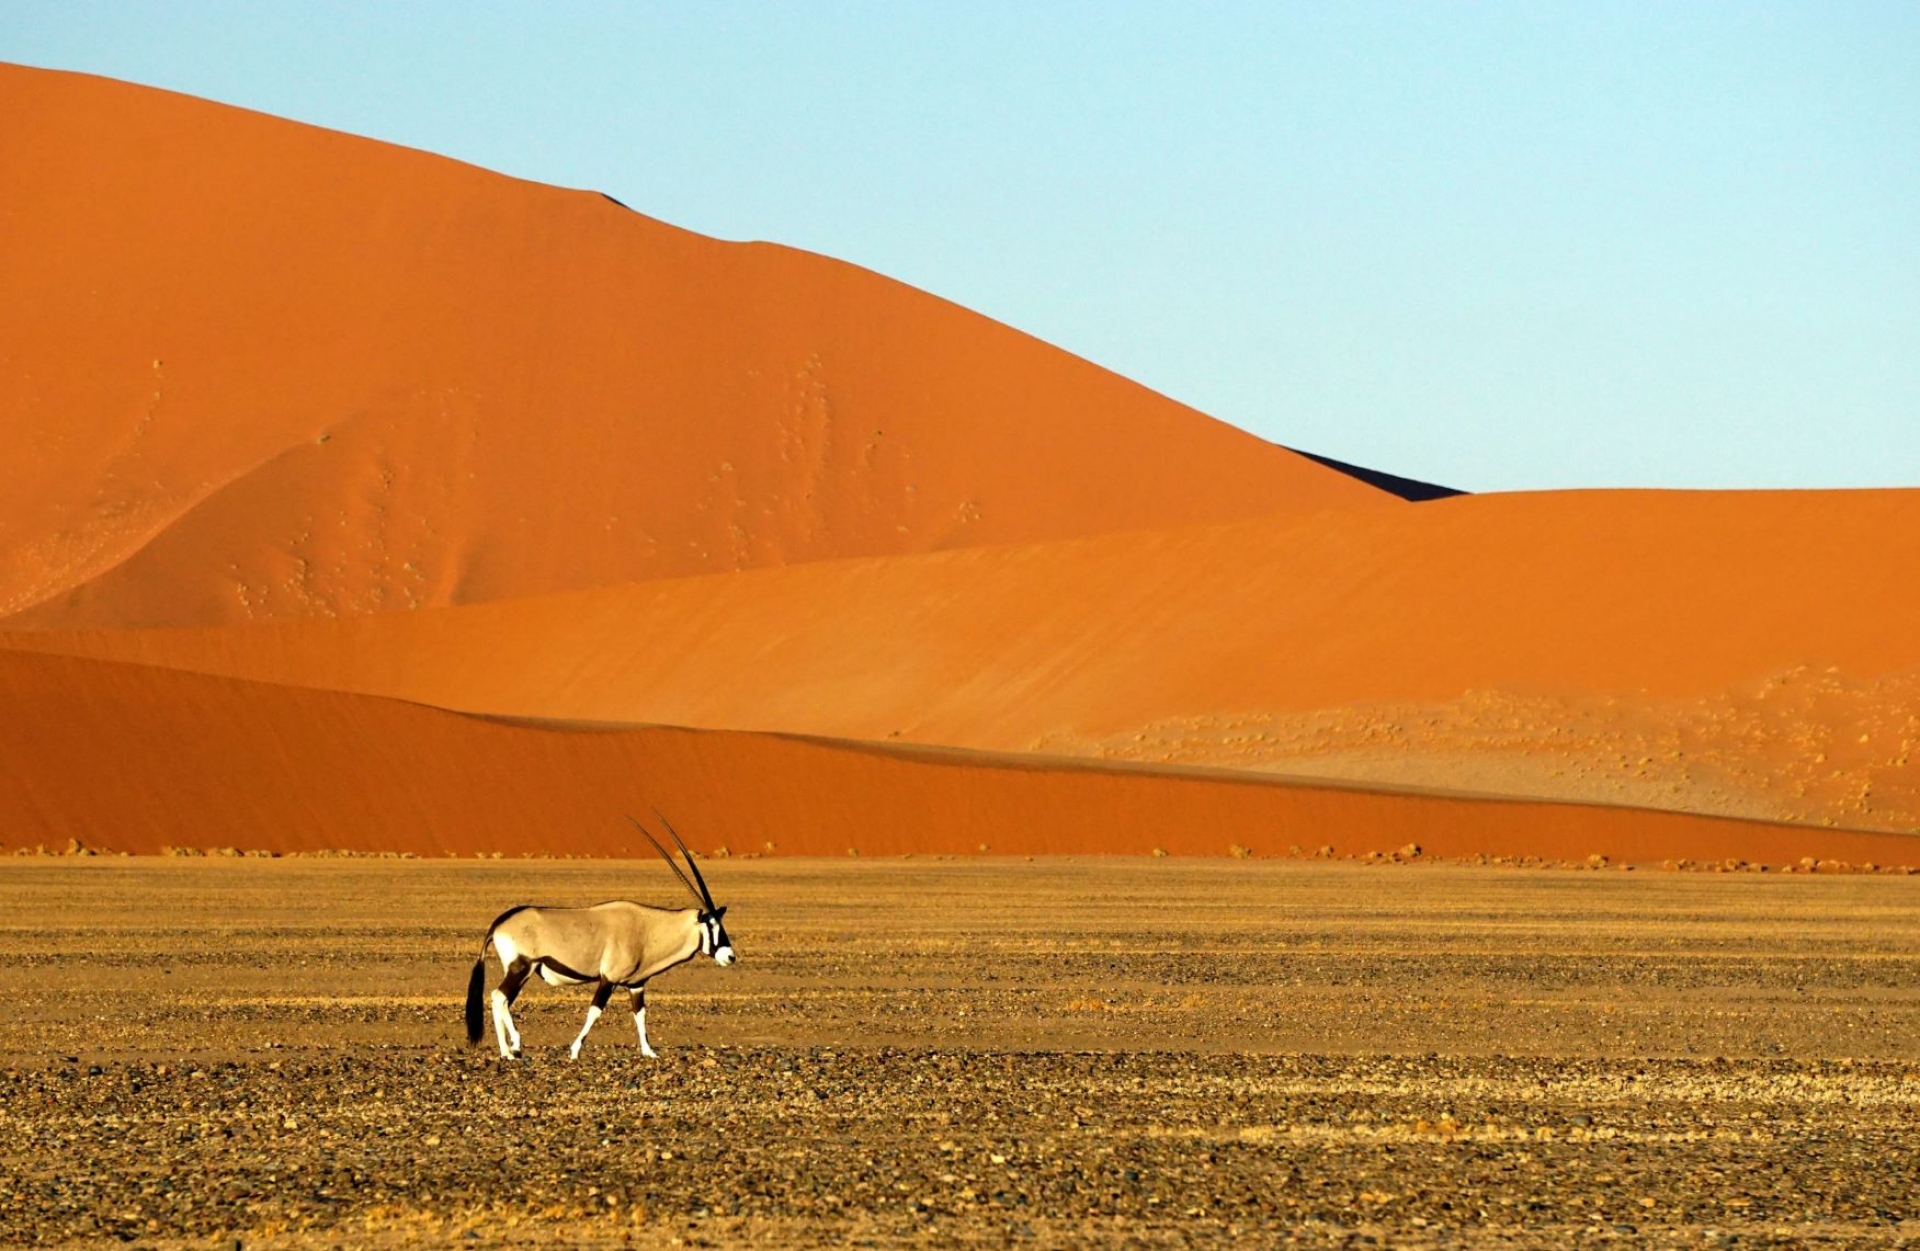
<point>620,944</point>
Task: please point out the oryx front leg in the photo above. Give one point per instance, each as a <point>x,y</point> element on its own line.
<point>640,1021</point>
<point>503,996</point>
<point>601,994</point>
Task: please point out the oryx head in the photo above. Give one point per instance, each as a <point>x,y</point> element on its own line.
<point>712,919</point>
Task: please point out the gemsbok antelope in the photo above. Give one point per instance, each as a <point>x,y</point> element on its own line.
<point>613,944</point>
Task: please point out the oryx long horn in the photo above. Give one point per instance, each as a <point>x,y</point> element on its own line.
<point>668,857</point>
<point>689,857</point>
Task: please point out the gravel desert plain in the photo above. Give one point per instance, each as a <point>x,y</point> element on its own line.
<point>972,1052</point>
<point>1134,832</point>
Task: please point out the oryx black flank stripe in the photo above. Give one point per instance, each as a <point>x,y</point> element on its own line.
<point>563,970</point>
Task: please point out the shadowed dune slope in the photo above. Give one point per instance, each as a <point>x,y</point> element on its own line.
<point>254,369</point>
<point>1745,654</point>
<point>1656,593</point>
<point>265,389</point>
<point>134,759</point>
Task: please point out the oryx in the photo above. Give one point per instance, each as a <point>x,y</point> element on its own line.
<point>611,944</point>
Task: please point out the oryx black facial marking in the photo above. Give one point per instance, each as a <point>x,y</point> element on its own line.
<point>616,944</point>
<point>713,934</point>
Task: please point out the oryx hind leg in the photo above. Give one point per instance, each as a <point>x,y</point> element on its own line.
<point>639,995</point>
<point>503,996</point>
<point>601,994</point>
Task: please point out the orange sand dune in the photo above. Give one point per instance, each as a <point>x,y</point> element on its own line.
<point>136,759</point>
<point>261,382</point>
<point>254,369</point>
<point>1667,649</point>
<point>1805,745</point>
<point>1670,594</point>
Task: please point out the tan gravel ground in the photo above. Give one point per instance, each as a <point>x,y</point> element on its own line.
<point>970,1053</point>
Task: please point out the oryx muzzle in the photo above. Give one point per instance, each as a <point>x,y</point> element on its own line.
<point>617,944</point>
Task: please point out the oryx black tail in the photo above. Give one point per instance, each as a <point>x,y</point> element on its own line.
<point>476,989</point>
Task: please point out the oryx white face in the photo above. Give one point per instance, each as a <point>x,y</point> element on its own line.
<point>709,918</point>
<point>713,937</point>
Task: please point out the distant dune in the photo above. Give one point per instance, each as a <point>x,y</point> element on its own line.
<point>322,441</point>
<point>1703,651</point>
<point>263,370</point>
<point>142,759</point>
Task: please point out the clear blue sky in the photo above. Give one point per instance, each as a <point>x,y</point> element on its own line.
<point>1499,246</point>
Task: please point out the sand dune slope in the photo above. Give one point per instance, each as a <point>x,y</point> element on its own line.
<point>1668,593</point>
<point>254,369</point>
<point>1744,653</point>
<point>134,759</point>
<point>264,386</point>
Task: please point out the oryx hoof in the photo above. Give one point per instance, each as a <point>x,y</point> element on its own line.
<point>649,1053</point>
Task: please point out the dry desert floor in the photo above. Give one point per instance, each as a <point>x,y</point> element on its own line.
<point>269,1053</point>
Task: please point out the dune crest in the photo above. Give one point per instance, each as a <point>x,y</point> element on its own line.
<point>145,759</point>
<point>264,370</point>
<point>1805,746</point>
<point>284,408</point>
<point>1704,652</point>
